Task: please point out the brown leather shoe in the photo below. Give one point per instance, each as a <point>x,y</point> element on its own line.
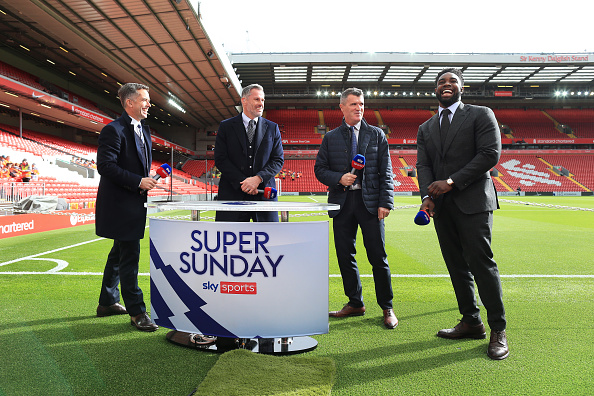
<point>498,349</point>
<point>143,323</point>
<point>464,330</point>
<point>347,310</point>
<point>115,309</point>
<point>390,320</point>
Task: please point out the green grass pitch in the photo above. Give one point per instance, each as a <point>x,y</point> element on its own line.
<point>51,343</point>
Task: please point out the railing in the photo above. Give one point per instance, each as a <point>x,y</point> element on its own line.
<point>15,191</point>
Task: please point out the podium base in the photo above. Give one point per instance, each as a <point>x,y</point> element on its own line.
<point>271,346</point>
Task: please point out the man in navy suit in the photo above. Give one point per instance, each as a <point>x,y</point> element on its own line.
<point>365,198</point>
<point>457,148</point>
<point>123,161</point>
<point>249,154</point>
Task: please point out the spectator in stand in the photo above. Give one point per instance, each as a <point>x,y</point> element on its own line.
<point>4,172</point>
<point>25,171</point>
<point>15,173</point>
<point>34,173</point>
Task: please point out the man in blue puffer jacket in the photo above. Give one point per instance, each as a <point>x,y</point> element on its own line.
<point>365,197</point>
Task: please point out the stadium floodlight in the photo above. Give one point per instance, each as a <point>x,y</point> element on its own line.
<point>177,106</point>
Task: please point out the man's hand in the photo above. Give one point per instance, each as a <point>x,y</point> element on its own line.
<point>438,188</point>
<point>147,183</point>
<point>250,185</point>
<point>382,213</point>
<point>429,206</point>
<point>348,179</point>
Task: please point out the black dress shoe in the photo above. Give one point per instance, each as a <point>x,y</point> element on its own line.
<point>390,320</point>
<point>115,309</point>
<point>143,322</point>
<point>498,348</point>
<point>347,310</point>
<point>464,330</point>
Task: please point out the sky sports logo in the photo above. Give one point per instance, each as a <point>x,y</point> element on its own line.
<point>232,287</point>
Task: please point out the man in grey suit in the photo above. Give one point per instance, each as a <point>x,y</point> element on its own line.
<point>456,150</point>
<point>365,197</point>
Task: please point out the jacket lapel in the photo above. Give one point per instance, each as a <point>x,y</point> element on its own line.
<point>364,137</point>
<point>239,130</point>
<point>457,121</point>
<point>132,135</point>
<point>434,132</point>
<point>261,129</point>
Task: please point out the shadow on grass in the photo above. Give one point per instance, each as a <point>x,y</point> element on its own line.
<point>360,368</point>
<point>340,324</point>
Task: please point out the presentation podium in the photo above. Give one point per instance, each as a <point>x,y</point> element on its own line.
<point>225,285</point>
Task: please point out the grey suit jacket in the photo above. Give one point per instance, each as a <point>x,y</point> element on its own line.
<point>471,149</point>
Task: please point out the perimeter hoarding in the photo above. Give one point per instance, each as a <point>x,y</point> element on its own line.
<point>240,280</point>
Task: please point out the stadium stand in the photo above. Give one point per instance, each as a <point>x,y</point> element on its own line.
<point>532,174</point>
<point>528,123</point>
<point>307,182</point>
<point>404,123</point>
<point>296,124</point>
<point>581,121</point>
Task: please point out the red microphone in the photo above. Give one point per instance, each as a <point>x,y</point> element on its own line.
<point>358,163</point>
<point>163,171</point>
<point>269,192</point>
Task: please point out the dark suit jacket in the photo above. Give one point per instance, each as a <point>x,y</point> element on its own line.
<point>231,156</point>
<point>472,148</point>
<point>120,212</point>
<point>334,160</point>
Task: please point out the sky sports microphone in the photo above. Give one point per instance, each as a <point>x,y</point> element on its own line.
<point>162,171</point>
<point>422,218</point>
<point>358,163</point>
<point>269,192</point>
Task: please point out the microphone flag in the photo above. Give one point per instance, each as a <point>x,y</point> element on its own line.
<point>422,218</point>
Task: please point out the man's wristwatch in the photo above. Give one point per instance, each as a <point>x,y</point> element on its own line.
<point>450,182</point>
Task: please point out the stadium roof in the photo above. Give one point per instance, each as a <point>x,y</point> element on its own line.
<point>102,44</point>
<point>95,45</point>
<point>524,76</point>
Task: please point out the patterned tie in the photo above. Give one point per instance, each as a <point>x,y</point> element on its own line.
<point>353,142</point>
<point>445,125</point>
<point>251,130</point>
<point>140,138</point>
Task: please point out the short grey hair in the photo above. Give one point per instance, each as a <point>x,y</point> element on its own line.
<point>247,90</point>
<point>129,91</point>
<point>350,91</point>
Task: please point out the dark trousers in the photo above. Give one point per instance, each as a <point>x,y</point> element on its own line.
<point>352,215</point>
<point>122,268</point>
<point>465,242</point>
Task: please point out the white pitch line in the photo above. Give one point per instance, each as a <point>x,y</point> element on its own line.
<point>331,275</point>
<point>48,252</point>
